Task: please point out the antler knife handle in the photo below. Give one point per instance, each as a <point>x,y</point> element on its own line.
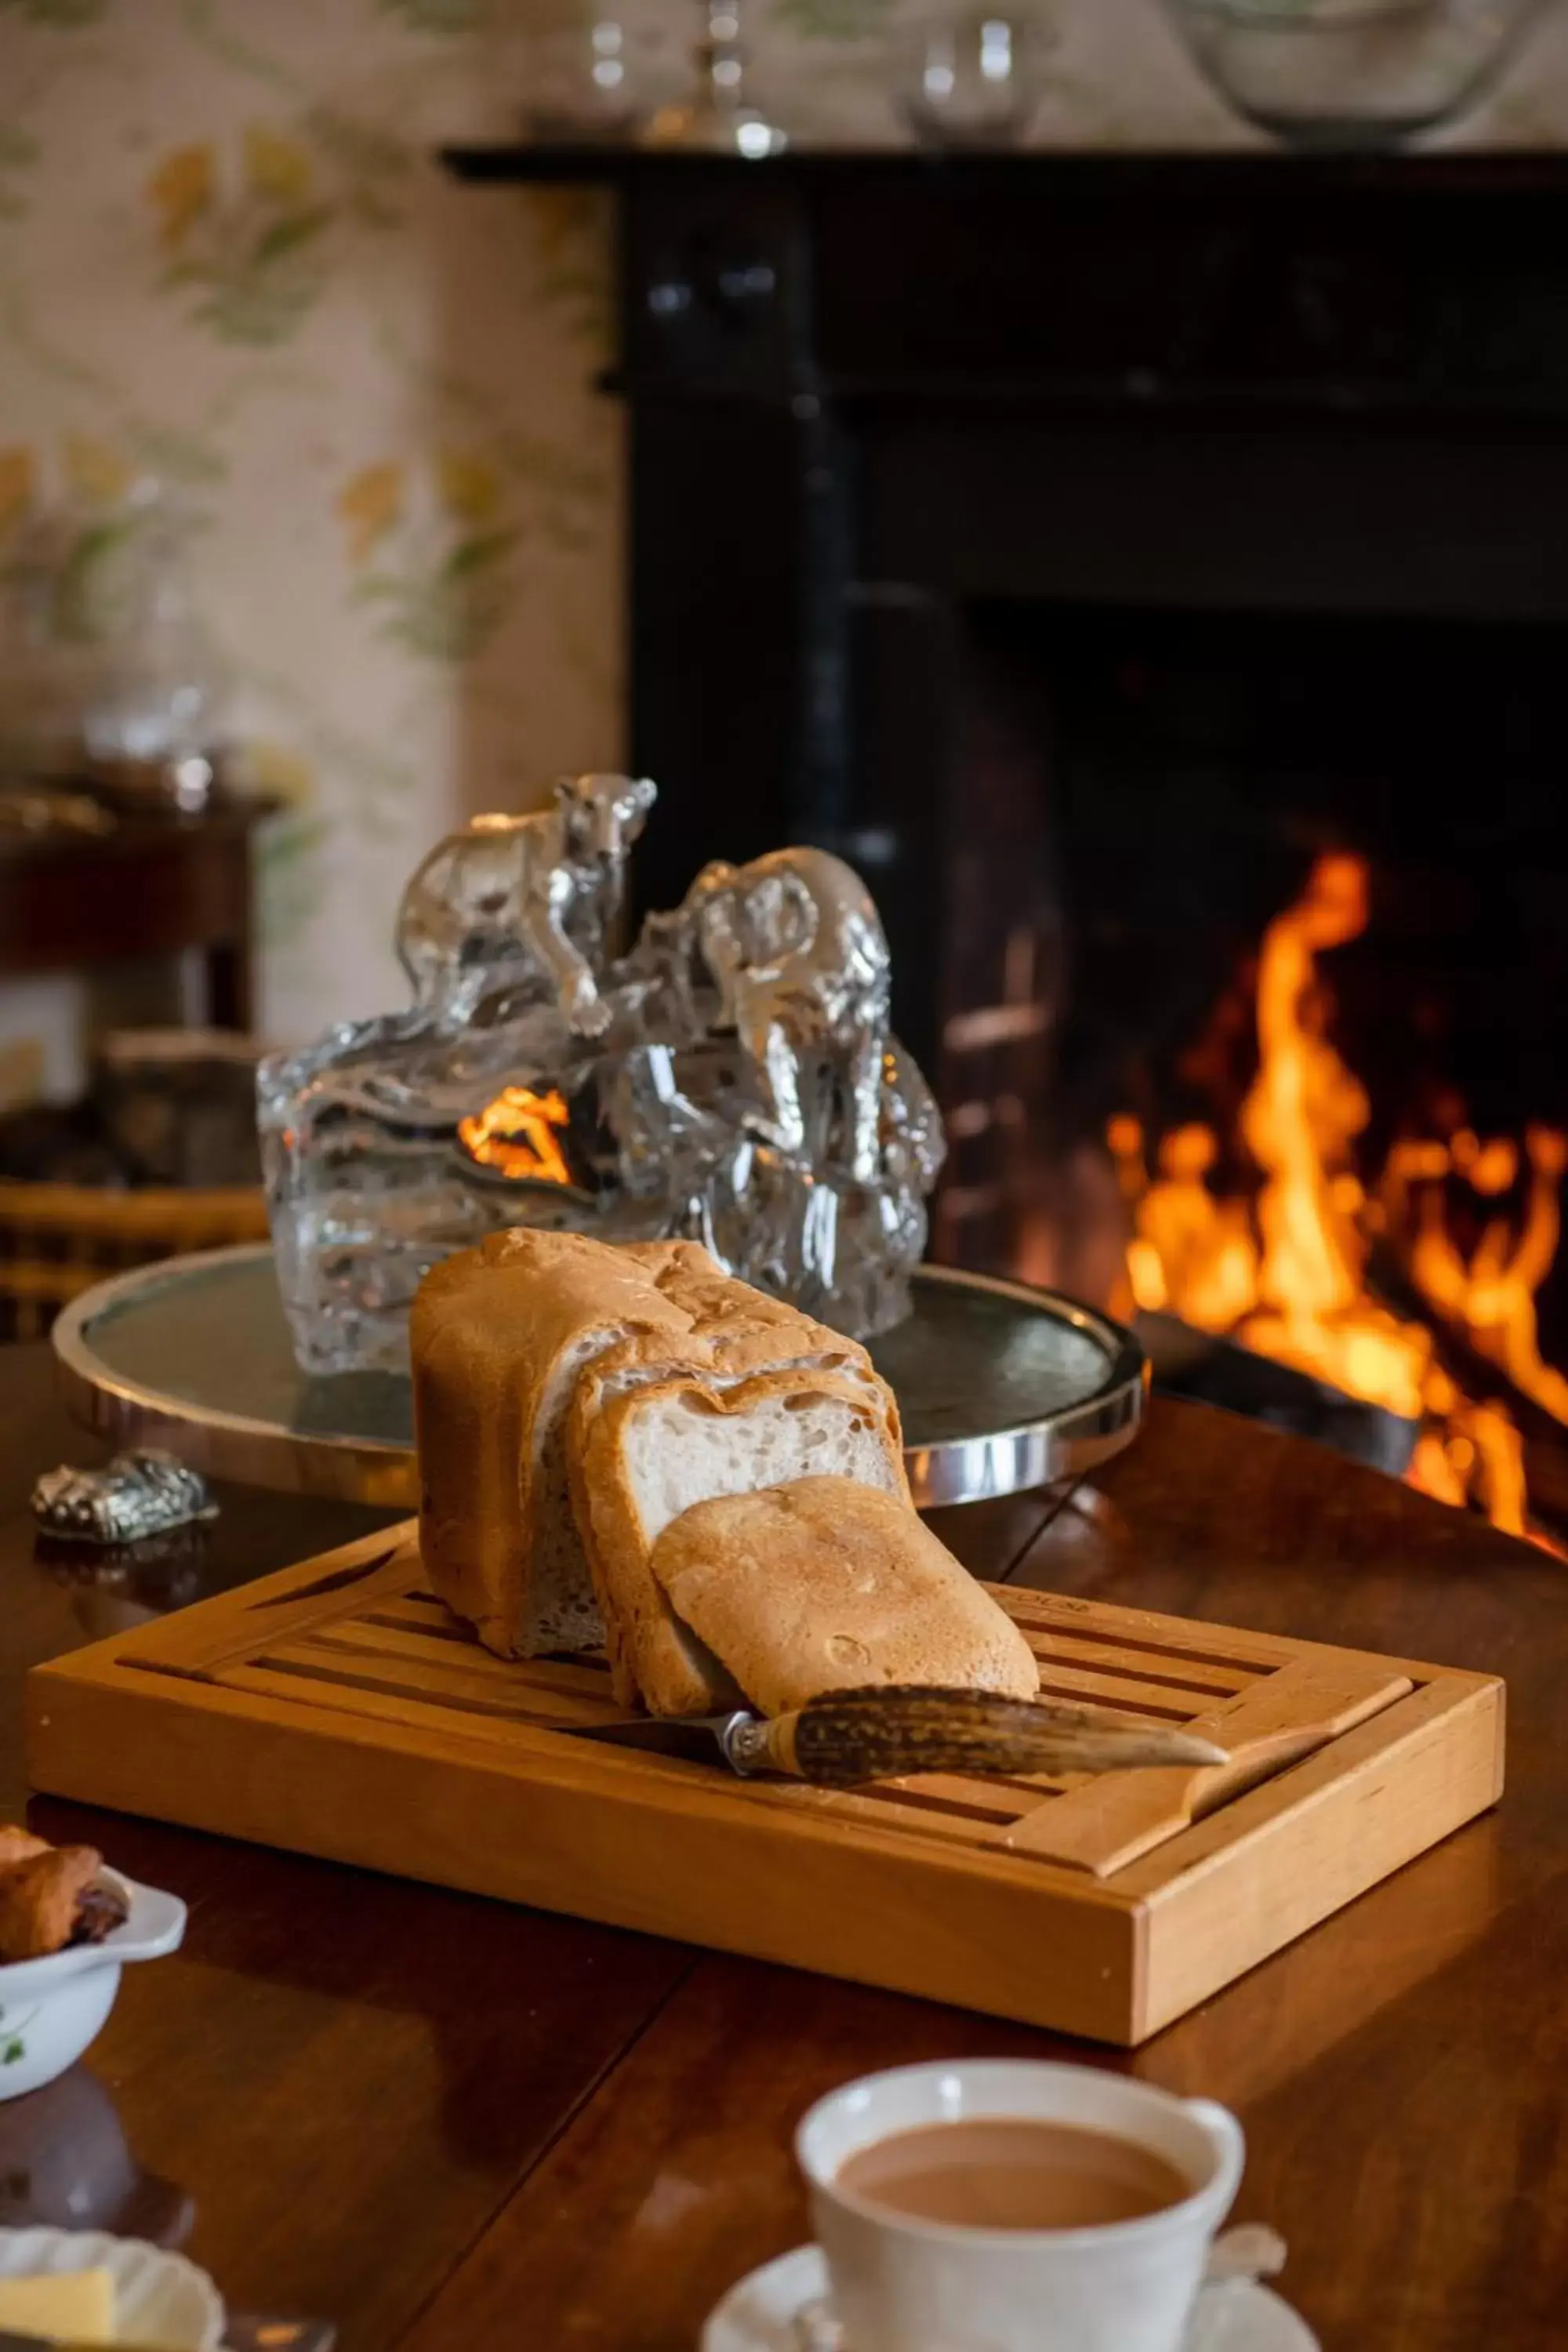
<point>849,1737</point>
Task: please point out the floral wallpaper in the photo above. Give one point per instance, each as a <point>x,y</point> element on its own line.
<point>227,260</point>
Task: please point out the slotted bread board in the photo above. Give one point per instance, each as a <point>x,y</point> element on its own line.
<point>338,1709</point>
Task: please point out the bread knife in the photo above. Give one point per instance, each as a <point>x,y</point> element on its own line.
<point>849,1737</point>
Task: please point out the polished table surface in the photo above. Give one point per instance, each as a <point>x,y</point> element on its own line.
<point>446,2123</point>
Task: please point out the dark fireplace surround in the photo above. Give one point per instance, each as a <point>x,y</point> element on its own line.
<point>1078,543</point>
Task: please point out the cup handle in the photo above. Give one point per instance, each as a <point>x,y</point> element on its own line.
<point>1230,2150</point>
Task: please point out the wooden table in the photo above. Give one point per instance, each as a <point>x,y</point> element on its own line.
<point>449,2124</point>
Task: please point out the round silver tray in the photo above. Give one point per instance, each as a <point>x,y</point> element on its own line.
<point>1002,1387</point>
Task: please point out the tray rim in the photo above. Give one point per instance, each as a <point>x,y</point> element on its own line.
<point>1018,1458</point>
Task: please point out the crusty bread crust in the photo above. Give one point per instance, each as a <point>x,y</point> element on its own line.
<point>825,1584</point>
<point>653,1658</point>
<point>487,1331</point>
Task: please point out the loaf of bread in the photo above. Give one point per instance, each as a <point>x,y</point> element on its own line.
<point>827,1584</point>
<point>627,1446</point>
<point>571,1398</point>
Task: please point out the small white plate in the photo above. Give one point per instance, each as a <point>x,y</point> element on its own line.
<point>159,2298</point>
<point>759,2314</point>
<point>50,2010</point>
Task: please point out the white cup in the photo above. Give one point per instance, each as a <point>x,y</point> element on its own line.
<point>906,2286</point>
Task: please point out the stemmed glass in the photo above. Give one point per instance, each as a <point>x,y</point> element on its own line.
<point>719,117</point>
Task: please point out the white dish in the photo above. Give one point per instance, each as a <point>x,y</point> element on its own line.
<point>50,2010</point>
<point>759,2314</point>
<point>159,2298</point>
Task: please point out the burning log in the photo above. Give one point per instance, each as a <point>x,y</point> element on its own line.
<point>1214,1370</point>
<point>1539,1440</point>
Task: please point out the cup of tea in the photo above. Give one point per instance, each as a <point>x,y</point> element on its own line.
<point>994,2205</point>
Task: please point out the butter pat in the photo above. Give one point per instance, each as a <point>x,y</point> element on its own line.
<point>74,2309</point>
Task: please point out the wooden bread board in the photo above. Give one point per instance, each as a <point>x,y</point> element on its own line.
<point>338,1709</point>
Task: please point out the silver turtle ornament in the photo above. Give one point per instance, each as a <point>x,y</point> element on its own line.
<point>139,1494</point>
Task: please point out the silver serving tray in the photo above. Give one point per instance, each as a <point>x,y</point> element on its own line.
<point>1002,1387</point>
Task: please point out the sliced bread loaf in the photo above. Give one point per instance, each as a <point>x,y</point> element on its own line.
<point>519,1341</point>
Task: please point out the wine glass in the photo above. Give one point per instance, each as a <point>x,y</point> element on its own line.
<point>719,116</point>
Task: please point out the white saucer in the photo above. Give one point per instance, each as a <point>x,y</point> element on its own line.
<point>758,2314</point>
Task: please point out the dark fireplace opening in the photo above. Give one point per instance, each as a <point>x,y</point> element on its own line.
<point>1333,1133</point>
<point>1154,595</point>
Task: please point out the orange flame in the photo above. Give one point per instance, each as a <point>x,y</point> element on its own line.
<point>513,1134</point>
<point>1285,1273</point>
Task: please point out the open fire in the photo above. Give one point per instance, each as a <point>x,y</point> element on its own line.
<point>515,1135</point>
<point>1363,1283</point>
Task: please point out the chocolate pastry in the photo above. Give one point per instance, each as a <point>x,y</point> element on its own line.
<point>51,1899</point>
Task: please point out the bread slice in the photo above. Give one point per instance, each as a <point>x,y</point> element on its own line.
<point>498,1338</point>
<point>827,1584</point>
<point>646,1442</point>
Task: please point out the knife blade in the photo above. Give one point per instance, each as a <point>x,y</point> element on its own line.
<point>846,1737</point>
<point>244,2333</point>
<point>250,2333</point>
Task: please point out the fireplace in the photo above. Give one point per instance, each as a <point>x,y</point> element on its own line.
<point>1143,569</point>
<point>1163,785</point>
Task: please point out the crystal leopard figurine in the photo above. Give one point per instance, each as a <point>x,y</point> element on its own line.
<point>733,1078</point>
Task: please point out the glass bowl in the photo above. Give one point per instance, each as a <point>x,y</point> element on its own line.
<point>1351,73</point>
